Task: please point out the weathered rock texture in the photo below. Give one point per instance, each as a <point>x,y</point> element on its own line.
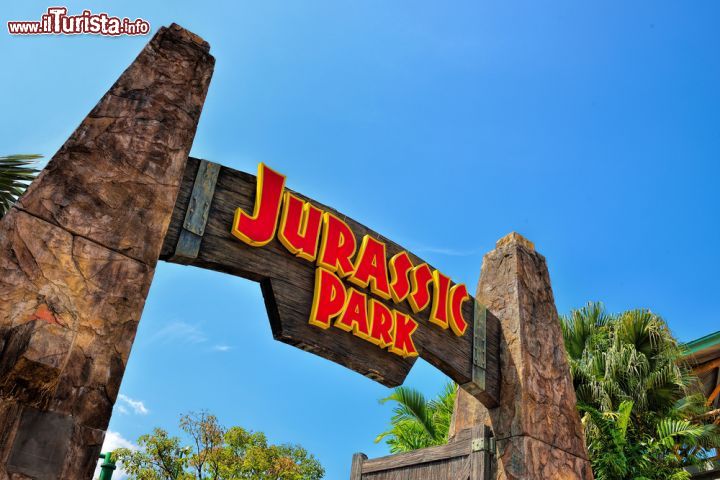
<point>536,425</point>
<point>77,255</point>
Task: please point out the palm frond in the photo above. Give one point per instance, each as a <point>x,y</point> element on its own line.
<point>417,422</point>
<point>581,326</point>
<point>411,405</point>
<point>16,172</point>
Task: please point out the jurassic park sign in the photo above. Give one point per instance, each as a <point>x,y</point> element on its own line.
<point>332,286</point>
<point>343,263</point>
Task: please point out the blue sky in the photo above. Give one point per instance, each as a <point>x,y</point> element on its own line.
<point>592,128</point>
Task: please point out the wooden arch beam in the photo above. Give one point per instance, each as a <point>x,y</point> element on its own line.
<point>200,235</point>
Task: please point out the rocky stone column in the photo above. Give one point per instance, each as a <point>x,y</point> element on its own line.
<point>78,253</point>
<point>537,429</point>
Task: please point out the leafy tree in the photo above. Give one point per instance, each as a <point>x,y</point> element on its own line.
<point>247,455</point>
<point>417,422</point>
<point>216,453</point>
<point>637,397</point>
<point>159,457</point>
<point>15,175</point>
<point>207,435</point>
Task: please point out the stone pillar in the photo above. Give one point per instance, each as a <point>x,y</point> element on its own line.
<point>536,426</point>
<point>78,253</point>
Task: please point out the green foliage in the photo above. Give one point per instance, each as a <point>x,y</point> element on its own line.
<point>207,436</point>
<point>216,453</point>
<point>247,455</point>
<point>610,438</point>
<point>642,416</point>
<point>160,457</point>
<point>417,422</point>
<point>15,175</point>
<point>635,395</point>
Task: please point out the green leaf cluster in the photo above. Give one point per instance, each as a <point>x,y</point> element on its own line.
<point>15,175</point>
<point>216,453</point>
<point>638,399</point>
<point>416,421</point>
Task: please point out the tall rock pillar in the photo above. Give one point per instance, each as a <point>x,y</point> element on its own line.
<point>78,253</point>
<point>536,426</point>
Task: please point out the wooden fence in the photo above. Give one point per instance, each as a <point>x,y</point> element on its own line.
<point>466,457</point>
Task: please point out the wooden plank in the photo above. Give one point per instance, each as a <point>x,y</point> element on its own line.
<point>713,395</point>
<point>201,197</point>
<point>477,465</point>
<point>188,245</point>
<point>706,367</point>
<point>457,460</point>
<point>458,448</point>
<point>288,283</point>
<point>417,457</point>
<point>465,471</point>
<point>485,369</point>
<point>480,459</point>
<point>357,466</point>
<point>448,469</point>
<point>289,325</point>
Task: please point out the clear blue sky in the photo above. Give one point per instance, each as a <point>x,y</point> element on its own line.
<point>593,128</point>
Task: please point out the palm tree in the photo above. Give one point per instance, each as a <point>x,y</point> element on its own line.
<point>637,397</point>
<point>417,422</point>
<point>15,175</point>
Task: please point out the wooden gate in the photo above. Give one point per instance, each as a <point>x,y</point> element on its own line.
<point>466,457</point>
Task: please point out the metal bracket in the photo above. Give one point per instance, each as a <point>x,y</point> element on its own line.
<point>483,445</point>
<point>188,245</point>
<point>477,445</point>
<point>479,354</point>
<point>480,336</point>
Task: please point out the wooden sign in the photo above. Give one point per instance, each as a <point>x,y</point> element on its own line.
<point>332,286</point>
